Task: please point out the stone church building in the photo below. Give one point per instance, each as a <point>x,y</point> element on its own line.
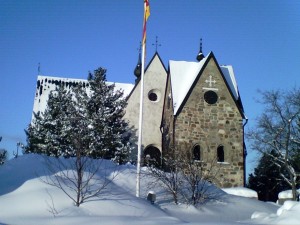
<point>192,104</point>
<point>196,105</point>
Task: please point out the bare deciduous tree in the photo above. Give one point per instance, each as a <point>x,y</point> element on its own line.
<point>81,178</point>
<point>169,177</point>
<point>183,177</point>
<point>277,130</point>
<point>198,177</point>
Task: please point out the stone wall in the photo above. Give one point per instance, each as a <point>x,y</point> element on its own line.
<point>212,125</point>
<point>167,120</point>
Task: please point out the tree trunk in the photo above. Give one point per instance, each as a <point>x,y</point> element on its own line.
<point>294,191</point>
<point>79,178</point>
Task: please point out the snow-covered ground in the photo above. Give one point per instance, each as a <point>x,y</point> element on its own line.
<point>25,199</point>
<point>287,194</point>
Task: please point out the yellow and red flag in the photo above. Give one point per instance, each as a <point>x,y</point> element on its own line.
<point>146,15</point>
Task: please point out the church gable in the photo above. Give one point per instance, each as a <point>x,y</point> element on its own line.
<point>209,119</point>
<point>209,88</point>
<point>155,77</point>
<point>185,75</point>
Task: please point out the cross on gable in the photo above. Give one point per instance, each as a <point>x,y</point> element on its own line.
<point>210,81</point>
<point>156,44</point>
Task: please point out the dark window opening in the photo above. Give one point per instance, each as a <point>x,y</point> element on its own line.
<point>41,89</point>
<point>197,153</point>
<point>210,97</point>
<point>38,84</point>
<point>152,156</point>
<point>220,153</point>
<point>152,97</point>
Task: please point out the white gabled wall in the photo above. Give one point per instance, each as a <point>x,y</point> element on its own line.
<point>154,82</point>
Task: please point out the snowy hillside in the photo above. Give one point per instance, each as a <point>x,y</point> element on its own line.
<point>25,199</point>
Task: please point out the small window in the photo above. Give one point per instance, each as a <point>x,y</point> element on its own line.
<point>153,97</point>
<point>220,153</point>
<point>210,97</point>
<point>196,153</point>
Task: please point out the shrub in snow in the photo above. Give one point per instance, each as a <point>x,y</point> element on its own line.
<point>80,178</point>
<point>184,178</point>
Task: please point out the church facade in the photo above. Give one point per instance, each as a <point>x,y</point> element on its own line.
<point>191,106</point>
<point>204,115</point>
<point>196,107</point>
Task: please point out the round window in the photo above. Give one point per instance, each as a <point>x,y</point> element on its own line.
<point>210,97</point>
<point>154,95</point>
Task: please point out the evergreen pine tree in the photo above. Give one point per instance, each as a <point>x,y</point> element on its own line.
<point>45,135</point>
<point>82,124</point>
<point>266,180</point>
<point>106,110</point>
<point>90,122</point>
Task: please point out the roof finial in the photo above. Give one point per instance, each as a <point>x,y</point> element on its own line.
<point>201,45</point>
<point>156,44</point>
<point>39,69</point>
<point>137,70</point>
<point>200,55</point>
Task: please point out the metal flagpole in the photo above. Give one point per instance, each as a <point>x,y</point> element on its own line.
<point>140,125</point>
<point>138,168</point>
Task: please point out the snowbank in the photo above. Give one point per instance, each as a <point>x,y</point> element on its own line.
<point>25,199</point>
<point>241,191</point>
<point>286,194</point>
<point>289,213</point>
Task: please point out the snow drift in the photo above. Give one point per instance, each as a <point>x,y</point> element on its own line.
<point>25,199</point>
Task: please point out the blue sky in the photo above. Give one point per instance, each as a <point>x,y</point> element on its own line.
<point>69,38</point>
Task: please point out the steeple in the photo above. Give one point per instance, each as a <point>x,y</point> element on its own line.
<point>200,55</point>
<point>137,70</point>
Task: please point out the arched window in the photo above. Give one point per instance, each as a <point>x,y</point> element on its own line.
<point>197,153</point>
<point>220,153</point>
<point>152,156</point>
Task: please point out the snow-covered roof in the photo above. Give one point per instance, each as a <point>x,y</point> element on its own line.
<point>230,78</point>
<point>183,75</point>
<point>126,88</point>
<point>46,84</point>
